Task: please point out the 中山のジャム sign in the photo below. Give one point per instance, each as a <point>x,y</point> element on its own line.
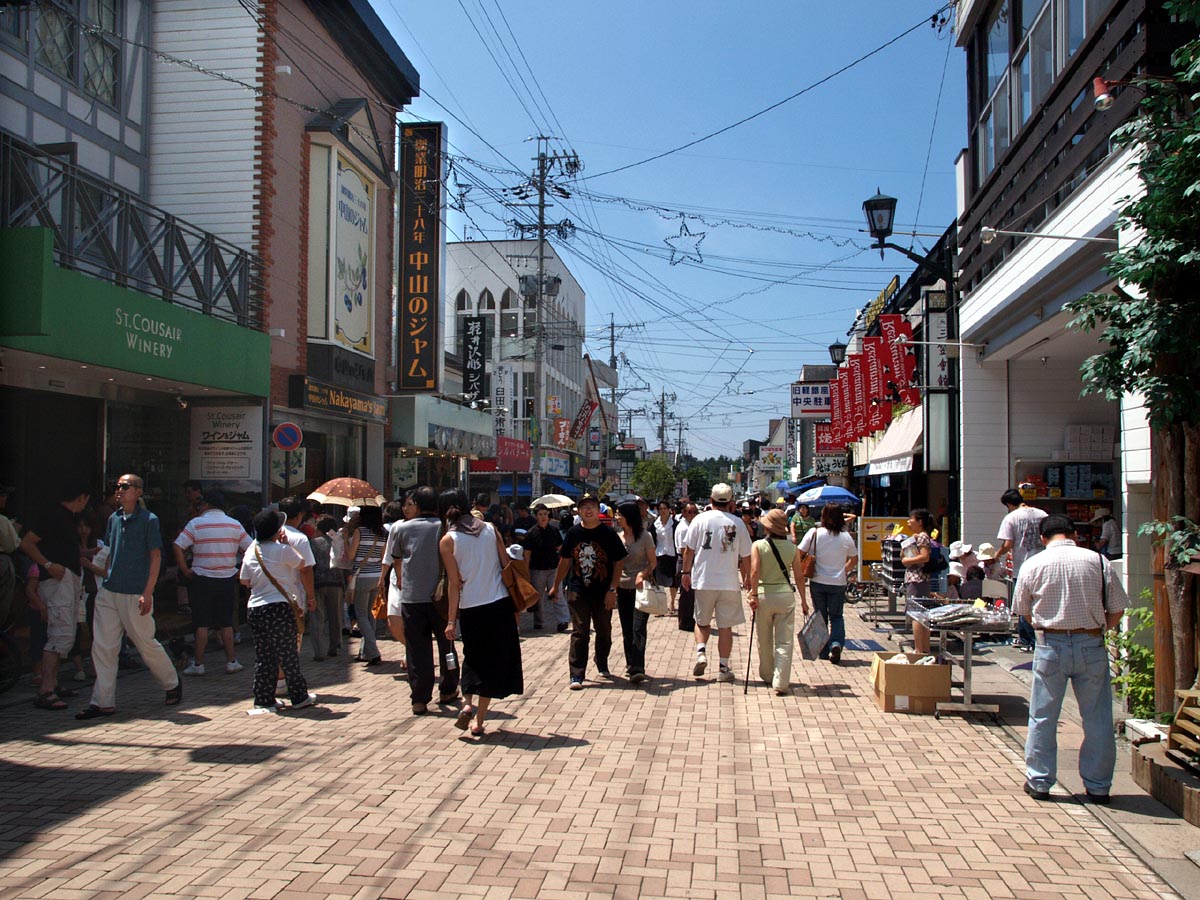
<point>354,242</point>
<point>474,352</point>
<point>420,263</point>
<point>308,393</point>
<point>810,400</point>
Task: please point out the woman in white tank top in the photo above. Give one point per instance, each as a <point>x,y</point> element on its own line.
<point>491,658</point>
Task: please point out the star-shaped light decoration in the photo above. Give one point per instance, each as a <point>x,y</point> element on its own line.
<point>685,245</point>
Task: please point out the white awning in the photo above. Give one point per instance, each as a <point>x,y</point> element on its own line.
<point>900,443</point>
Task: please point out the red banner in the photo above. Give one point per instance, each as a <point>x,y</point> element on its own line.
<point>902,364</point>
<point>582,418</point>
<point>825,435</point>
<point>847,410</point>
<point>513,455</point>
<point>835,414</point>
<point>858,399</point>
<point>880,412</point>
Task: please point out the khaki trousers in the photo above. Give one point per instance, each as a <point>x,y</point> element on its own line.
<point>774,628</point>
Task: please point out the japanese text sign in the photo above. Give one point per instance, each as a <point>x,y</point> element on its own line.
<point>810,400</point>
<point>420,263</point>
<point>474,353</point>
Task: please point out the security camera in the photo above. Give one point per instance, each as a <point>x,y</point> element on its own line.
<point>182,401</point>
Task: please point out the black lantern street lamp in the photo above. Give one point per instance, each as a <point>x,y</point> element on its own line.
<point>880,211</point>
<point>837,353</point>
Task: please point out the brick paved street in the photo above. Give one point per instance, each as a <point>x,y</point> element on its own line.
<point>681,788</point>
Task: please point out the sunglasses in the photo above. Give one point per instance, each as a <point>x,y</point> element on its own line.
<point>122,485</point>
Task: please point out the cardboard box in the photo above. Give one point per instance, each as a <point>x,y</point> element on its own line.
<point>909,689</point>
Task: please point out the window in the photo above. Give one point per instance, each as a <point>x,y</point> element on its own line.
<point>527,392</point>
<point>462,303</point>
<point>996,58</point>
<point>508,324</point>
<point>10,23</point>
<point>78,41</point>
<point>508,300</point>
<point>486,300</point>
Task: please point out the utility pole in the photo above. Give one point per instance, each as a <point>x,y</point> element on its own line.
<point>546,162</point>
<point>679,442</point>
<point>662,422</point>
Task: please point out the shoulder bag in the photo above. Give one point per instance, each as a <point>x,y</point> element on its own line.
<point>522,593</point>
<point>808,565</point>
<point>293,600</point>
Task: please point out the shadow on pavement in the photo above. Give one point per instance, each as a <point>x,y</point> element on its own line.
<point>235,754</point>
<point>40,799</point>
<point>524,740</point>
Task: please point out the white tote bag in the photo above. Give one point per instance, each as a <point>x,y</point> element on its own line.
<point>652,600</point>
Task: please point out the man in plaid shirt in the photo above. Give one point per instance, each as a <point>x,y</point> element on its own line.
<point>1072,596</point>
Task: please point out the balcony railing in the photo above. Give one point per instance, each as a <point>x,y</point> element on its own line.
<point>107,232</point>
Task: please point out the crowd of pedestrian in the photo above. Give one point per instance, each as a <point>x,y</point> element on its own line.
<point>435,570</point>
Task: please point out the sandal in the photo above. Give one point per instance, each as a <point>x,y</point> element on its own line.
<point>464,718</point>
<point>478,731</point>
<point>49,700</point>
<point>94,712</point>
<point>175,694</point>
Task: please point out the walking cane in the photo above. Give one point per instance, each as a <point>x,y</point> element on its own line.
<point>749,652</point>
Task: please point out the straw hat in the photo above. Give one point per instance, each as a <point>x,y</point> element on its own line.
<point>775,521</point>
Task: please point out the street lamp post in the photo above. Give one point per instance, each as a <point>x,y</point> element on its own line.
<point>880,211</point>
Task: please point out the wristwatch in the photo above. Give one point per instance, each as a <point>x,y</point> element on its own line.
<point>612,590</point>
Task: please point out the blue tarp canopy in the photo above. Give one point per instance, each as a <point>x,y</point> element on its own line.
<point>562,486</point>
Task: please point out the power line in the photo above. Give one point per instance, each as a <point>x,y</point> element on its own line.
<point>779,103</point>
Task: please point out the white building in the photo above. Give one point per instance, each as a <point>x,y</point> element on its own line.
<point>1040,161</point>
<point>483,278</point>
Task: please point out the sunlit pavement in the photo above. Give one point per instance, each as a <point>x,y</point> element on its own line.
<point>680,787</point>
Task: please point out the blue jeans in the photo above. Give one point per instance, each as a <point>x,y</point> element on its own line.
<point>1083,660</point>
<point>829,600</point>
<point>1026,636</point>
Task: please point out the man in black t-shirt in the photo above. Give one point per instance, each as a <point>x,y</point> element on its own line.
<point>541,543</point>
<point>590,562</point>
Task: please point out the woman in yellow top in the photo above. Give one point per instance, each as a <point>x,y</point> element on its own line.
<point>774,569</point>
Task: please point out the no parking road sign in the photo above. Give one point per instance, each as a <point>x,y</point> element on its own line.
<point>287,436</point>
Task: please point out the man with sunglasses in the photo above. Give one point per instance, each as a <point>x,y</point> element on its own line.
<point>125,603</point>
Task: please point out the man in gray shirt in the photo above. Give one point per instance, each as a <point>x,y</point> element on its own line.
<point>412,550</point>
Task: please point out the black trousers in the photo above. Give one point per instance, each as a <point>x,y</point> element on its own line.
<point>422,624</point>
<point>633,631</point>
<point>274,629</point>
<point>585,615</point>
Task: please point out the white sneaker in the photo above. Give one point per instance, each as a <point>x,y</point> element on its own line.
<point>194,669</point>
<point>233,666</point>
<point>726,674</point>
<point>701,664</point>
<point>307,701</point>
<point>262,710</point>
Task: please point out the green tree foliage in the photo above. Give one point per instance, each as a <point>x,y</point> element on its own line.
<point>1151,321</point>
<point>653,478</point>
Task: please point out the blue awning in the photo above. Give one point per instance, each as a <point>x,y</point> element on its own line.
<point>562,486</point>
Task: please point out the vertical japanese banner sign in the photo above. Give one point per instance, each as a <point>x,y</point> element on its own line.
<point>582,418</point>
<point>419,351</point>
<point>354,253</point>
<point>880,412</point>
<point>502,376</point>
<point>901,363</point>
<point>474,352</point>
<point>835,413</point>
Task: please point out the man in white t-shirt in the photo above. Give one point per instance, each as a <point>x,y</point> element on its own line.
<point>1021,537</point>
<point>716,564</point>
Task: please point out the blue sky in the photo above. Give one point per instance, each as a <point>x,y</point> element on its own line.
<point>778,199</point>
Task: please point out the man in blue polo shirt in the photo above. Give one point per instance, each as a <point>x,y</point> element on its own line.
<point>125,602</point>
